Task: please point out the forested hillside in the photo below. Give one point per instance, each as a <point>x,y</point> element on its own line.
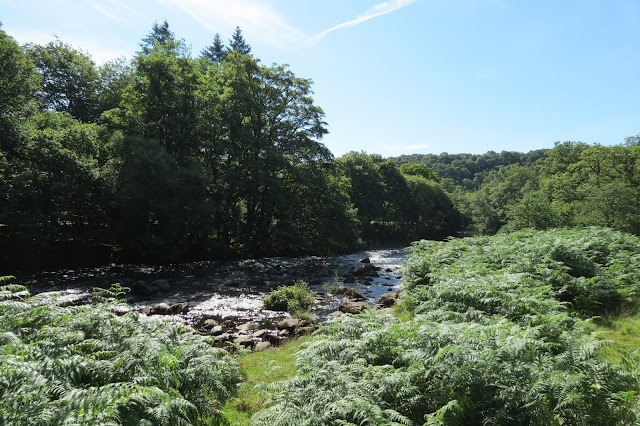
<point>573,184</point>
<point>172,157</point>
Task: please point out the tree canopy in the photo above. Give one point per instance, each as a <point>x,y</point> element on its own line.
<point>168,158</point>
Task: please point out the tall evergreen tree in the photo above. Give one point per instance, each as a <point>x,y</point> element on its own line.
<point>162,39</point>
<point>215,53</point>
<point>238,43</point>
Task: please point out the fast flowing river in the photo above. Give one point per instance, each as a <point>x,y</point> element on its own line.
<point>233,291</point>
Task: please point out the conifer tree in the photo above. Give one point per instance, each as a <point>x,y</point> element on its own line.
<point>215,53</point>
<point>238,43</point>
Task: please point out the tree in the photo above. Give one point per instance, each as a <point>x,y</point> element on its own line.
<point>271,127</point>
<point>162,39</point>
<point>215,53</point>
<point>69,79</point>
<point>238,44</point>
<point>114,78</point>
<point>57,195</point>
<point>161,102</point>
<point>18,84</point>
<point>419,169</point>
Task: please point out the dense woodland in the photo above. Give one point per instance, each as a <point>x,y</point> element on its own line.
<point>170,157</point>
<point>572,184</point>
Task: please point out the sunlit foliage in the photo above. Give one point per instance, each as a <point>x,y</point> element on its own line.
<point>86,365</point>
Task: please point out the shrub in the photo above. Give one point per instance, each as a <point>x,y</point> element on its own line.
<point>294,298</point>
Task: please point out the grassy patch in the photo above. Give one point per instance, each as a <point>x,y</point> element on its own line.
<point>624,334</point>
<point>260,368</point>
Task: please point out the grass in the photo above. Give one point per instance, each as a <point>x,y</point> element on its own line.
<point>623,332</point>
<point>261,368</point>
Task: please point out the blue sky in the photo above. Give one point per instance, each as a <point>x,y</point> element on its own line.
<point>403,76</point>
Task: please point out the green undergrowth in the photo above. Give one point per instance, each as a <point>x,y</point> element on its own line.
<point>258,369</point>
<point>295,299</point>
<point>623,333</point>
<point>86,365</point>
<point>492,330</point>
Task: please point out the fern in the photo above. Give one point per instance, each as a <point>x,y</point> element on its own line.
<point>85,365</point>
<point>496,339</point>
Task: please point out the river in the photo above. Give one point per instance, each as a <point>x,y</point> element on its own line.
<point>231,292</point>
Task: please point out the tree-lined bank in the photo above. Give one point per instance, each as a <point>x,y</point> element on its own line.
<point>170,157</point>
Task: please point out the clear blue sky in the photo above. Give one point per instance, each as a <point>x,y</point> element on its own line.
<point>403,76</point>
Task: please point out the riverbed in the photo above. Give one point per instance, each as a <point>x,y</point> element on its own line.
<point>231,292</point>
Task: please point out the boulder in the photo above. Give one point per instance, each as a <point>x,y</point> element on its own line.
<point>179,308</point>
<point>262,346</point>
<point>365,260</point>
<point>161,285</point>
<point>245,341</point>
<point>350,293</point>
<point>367,270</point>
<point>260,333</point>
<point>387,300</point>
<point>305,331</point>
<point>273,339</point>
<point>292,323</point>
<point>157,309</point>
<point>141,288</point>
<point>215,331</point>
<point>208,324</point>
<point>351,307</point>
<point>336,314</point>
<point>248,326</point>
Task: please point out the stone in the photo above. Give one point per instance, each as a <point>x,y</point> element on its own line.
<point>245,341</point>
<point>354,307</point>
<point>292,323</point>
<point>305,331</point>
<point>365,260</point>
<point>248,326</point>
<point>262,346</point>
<point>141,288</point>
<point>387,300</point>
<point>161,285</point>
<point>283,333</point>
<point>260,333</point>
<point>215,331</point>
<point>336,314</point>
<point>208,324</point>
<point>158,309</point>
<point>179,308</point>
<point>273,339</point>
<point>353,293</point>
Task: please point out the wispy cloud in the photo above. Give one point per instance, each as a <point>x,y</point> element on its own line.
<point>375,11</point>
<point>103,11</point>
<point>256,18</point>
<point>115,10</point>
